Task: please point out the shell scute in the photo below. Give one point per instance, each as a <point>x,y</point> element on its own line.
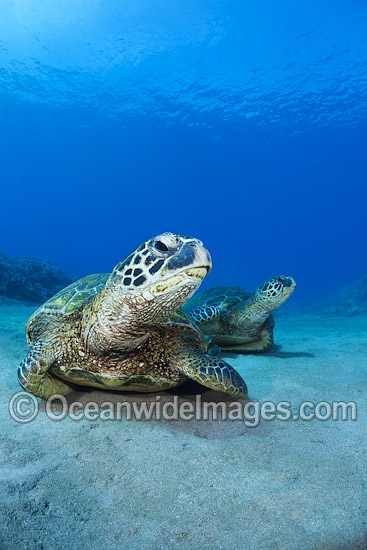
<point>220,296</point>
<point>64,303</point>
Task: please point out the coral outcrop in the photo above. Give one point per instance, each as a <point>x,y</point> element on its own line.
<point>30,279</point>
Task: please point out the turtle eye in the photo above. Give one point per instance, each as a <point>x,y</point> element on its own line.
<point>161,246</point>
<point>282,278</point>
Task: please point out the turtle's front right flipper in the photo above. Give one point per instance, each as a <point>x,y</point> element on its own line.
<point>204,314</point>
<point>34,377</point>
<point>211,372</point>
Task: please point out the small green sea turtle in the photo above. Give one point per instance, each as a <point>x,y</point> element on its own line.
<point>239,320</point>
<point>122,330</point>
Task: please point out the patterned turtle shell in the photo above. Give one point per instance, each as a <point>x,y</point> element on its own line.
<point>220,296</point>
<point>64,303</point>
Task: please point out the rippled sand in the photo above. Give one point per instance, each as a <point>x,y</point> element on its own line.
<point>190,484</point>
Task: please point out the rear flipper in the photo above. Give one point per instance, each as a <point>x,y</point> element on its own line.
<point>211,372</point>
<point>264,342</point>
<point>261,344</point>
<point>34,377</point>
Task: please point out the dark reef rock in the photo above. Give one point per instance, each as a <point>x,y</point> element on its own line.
<point>30,279</point>
<point>355,294</point>
<point>352,300</point>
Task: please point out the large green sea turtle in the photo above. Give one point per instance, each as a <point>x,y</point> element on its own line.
<point>239,320</point>
<point>122,331</point>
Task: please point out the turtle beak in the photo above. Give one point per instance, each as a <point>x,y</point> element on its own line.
<point>197,272</point>
<point>203,259</point>
<point>288,286</point>
<point>191,255</point>
<point>290,282</point>
<point>202,263</point>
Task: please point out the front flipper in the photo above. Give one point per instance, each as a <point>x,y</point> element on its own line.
<point>211,372</point>
<point>34,377</point>
<point>203,314</point>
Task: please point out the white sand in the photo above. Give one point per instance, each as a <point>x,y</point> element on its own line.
<point>196,485</point>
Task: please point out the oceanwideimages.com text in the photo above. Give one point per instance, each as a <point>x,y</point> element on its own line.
<point>24,408</point>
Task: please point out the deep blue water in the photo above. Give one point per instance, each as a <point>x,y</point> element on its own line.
<point>241,123</point>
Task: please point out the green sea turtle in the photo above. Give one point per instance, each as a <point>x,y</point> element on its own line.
<point>239,320</point>
<point>122,330</point>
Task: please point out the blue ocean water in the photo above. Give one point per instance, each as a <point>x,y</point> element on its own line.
<point>241,123</point>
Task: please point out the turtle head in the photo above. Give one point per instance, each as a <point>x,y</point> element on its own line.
<point>160,276</point>
<point>276,291</point>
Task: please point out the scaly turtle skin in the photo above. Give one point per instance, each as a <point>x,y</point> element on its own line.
<point>238,320</point>
<point>119,330</point>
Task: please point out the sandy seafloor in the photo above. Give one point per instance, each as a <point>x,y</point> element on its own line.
<point>191,484</point>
